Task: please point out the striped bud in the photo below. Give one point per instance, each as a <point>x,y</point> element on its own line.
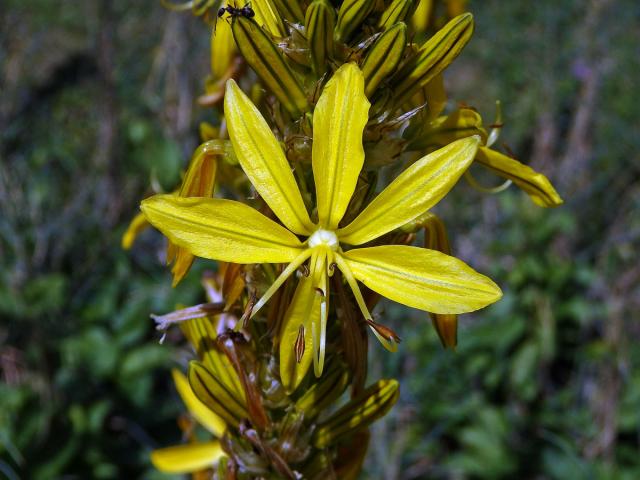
<point>211,392</point>
<point>324,392</point>
<point>360,412</point>
<point>397,11</point>
<point>433,57</point>
<point>289,10</point>
<point>319,21</point>
<point>383,57</point>
<point>351,14</point>
<point>268,16</point>
<point>269,64</point>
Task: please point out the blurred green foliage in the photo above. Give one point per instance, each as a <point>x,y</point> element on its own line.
<point>545,384</point>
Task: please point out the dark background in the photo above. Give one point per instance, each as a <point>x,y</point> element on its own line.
<point>97,106</point>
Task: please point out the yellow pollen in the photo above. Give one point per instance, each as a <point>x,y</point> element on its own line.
<point>324,237</point>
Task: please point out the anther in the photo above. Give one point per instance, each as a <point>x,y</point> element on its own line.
<point>305,270</point>
<point>385,332</point>
<point>299,346</point>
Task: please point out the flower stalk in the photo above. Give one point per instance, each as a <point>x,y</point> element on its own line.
<point>306,239</point>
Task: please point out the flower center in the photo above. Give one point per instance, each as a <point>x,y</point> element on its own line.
<point>324,237</point>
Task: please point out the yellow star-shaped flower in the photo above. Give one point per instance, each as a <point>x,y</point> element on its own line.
<point>231,231</point>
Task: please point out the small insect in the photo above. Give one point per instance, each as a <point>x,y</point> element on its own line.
<point>245,11</point>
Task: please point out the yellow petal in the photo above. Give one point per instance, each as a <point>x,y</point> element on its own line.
<point>223,46</point>
<point>137,225</point>
<point>417,189</point>
<point>263,160</point>
<point>221,229</point>
<point>303,310</point>
<point>338,122</point>
<point>200,412</point>
<point>422,278</point>
<point>187,458</point>
<point>535,184</point>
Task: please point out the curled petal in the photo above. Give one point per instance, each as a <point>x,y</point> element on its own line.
<point>263,160</point>
<point>421,278</point>
<point>412,193</point>
<point>535,184</point>
<point>137,225</point>
<point>199,181</point>
<point>221,229</point>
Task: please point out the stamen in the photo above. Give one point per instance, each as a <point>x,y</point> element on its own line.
<point>305,270</point>
<point>351,280</point>
<point>496,126</point>
<point>353,283</point>
<point>332,268</point>
<point>387,343</point>
<point>248,309</point>
<point>163,322</point>
<point>286,273</point>
<point>299,346</point>
<point>319,338</point>
<point>385,331</point>
<point>468,176</point>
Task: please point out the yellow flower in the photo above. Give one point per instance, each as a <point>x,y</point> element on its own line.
<point>231,231</point>
<point>191,457</point>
